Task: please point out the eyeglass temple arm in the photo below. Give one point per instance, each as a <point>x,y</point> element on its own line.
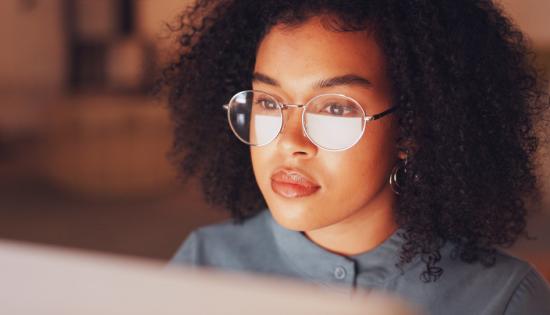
<point>225,106</point>
<point>382,114</point>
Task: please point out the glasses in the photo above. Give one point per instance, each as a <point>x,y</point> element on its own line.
<point>333,122</point>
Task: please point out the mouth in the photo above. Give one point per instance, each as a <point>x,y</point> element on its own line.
<point>291,183</point>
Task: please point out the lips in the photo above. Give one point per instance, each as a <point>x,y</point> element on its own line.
<point>291,183</point>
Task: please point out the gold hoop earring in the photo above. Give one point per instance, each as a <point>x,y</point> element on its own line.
<point>394,181</point>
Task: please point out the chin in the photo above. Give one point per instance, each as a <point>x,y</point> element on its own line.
<point>297,218</point>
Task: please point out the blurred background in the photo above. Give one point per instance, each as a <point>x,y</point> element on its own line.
<point>83,144</point>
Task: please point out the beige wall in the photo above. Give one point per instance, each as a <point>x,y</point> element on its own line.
<point>34,54</point>
<point>533,17</point>
<point>153,18</point>
<point>32,57</point>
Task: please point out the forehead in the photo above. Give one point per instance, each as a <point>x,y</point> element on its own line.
<point>310,50</point>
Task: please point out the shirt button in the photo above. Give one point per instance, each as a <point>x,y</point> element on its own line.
<point>339,272</point>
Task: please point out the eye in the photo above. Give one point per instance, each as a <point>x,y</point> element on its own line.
<point>267,104</point>
<point>337,109</point>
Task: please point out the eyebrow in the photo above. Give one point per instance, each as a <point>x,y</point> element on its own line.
<point>347,79</point>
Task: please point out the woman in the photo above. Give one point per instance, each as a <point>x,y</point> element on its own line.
<point>389,146</point>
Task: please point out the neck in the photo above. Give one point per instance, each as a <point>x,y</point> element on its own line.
<point>364,230</point>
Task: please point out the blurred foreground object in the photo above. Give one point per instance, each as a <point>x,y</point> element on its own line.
<point>42,280</point>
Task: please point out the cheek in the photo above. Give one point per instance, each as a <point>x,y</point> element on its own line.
<point>261,158</point>
<point>346,172</point>
<point>366,165</point>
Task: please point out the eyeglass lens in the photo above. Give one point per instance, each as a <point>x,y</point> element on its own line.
<point>332,122</point>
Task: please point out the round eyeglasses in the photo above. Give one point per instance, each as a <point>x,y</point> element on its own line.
<point>333,122</point>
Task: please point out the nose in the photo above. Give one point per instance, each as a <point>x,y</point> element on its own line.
<point>292,139</point>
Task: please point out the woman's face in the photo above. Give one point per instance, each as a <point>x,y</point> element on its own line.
<point>306,187</point>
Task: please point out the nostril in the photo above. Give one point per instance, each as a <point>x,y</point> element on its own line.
<point>300,153</point>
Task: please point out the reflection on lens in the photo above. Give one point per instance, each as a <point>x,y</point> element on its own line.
<point>333,133</point>
<point>255,117</point>
<point>334,122</point>
<point>266,128</point>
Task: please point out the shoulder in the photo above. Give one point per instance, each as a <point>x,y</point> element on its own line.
<point>529,292</point>
<point>227,244</point>
<point>504,276</point>
<point>510,286</point>
<point>507,271</point>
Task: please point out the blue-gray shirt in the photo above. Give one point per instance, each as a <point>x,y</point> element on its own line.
<point>261,245</point>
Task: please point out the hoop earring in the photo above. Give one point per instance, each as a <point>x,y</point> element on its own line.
<point>394,181</point>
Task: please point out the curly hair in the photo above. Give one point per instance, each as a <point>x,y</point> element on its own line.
<point>468,95</point>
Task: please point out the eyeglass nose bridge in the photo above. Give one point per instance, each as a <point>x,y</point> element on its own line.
<point>285,106</point>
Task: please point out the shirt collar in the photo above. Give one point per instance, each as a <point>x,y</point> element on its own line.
<point>319,265</point>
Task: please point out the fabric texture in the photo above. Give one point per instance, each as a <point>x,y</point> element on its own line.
<point>261,245</point>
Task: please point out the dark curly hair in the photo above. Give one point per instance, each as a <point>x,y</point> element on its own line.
<point>468,97</point>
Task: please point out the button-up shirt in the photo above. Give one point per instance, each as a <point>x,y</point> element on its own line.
<point>261,245</point>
